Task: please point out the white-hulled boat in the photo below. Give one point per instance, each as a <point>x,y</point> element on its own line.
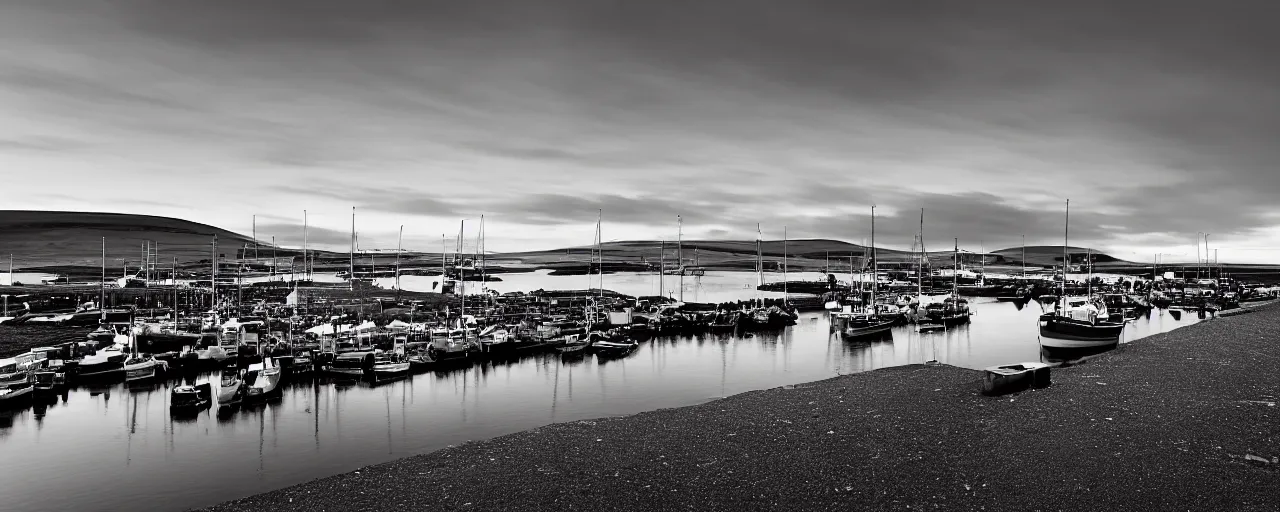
<point>136,366</point>
<point>390,364</point>
<point>231,387</point>
<point>266,376</point>
<point>214,353</point>
<point>15,369</point>
<point>15,384</point>
<point>139,368</point>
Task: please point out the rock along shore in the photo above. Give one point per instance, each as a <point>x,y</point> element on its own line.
<point>1183,420</point>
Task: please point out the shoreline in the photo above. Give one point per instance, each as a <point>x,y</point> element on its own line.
<point>1184,413</point>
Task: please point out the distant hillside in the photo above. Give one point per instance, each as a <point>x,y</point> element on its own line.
<point>801,254</point>
<point>44,239</point>
<point>1050,255</point>
<point>38,238</point>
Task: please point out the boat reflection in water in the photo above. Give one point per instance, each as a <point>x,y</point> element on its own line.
<point>322,425</point>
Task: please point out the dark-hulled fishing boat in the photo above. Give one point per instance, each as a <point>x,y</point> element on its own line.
<point>860,326</point>
<point>1081,325</point>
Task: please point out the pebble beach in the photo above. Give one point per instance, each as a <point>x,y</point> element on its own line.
<point>1181,420</point>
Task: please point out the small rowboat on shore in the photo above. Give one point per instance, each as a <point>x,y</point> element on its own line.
<point>1011,378</point>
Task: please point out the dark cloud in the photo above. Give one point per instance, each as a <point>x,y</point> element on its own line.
<point>1157,118</point>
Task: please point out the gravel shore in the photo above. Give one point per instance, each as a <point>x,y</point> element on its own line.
<point>1182,420</point>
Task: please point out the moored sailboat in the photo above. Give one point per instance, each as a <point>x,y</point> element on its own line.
<point>1078,322</point>
<point>264,377</point>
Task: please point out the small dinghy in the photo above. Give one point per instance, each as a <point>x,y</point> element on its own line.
<point>613,349</point>
<point>190,398</point>
<point>927,328</point>
<point>1011,378</point>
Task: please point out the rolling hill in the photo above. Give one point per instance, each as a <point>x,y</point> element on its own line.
<point>74,239</point>
<point>42,239</point>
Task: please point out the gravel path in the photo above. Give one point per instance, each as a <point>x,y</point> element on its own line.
<point>1181,420</point>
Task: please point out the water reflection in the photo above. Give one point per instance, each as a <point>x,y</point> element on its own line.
<point>122,445</point>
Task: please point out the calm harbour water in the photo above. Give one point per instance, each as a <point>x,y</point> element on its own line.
<point>115,447</point>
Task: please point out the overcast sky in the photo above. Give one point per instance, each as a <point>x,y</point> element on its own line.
<point>1157,119</point>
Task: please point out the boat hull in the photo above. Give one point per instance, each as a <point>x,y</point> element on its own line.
<point>1060,332</point>
<point>229,394</point>
<point>15,393</point>
<point>263,386</point>
<point>870,331</point>
<point>391,369</point>
<point>141,372</point>
<point>1004,379</point>
<point>614,350</point>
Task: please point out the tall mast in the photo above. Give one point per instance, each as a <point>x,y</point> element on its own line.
<point>462,273</point>
<point>399,245</point>
<point>784,265</point>
<point>955,275</point>
<point>352,266</point>
<point>244,249</point>
<point>443,274</point>
<point>483,256</point>
<point>457,251</point>
<point>102,295</point>
<point>174,272</point>
<point>759,262</point>
<point>213,281</point>
<point>600,252</point>
<point>875,265</point>
<point>1066,261</point>
<point>1024,259</point>
<point>924,256</point>
<point>1089,257</point>
<point>680,253</point>
<point>982,249</point>
<point>273,256</point>
<point>662,268</point>
<point>306,269</point>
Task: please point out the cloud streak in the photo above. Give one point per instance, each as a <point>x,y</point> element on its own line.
<point>1157,119</point>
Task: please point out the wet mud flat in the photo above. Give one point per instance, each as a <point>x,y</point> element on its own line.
<point>1185,420</point>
